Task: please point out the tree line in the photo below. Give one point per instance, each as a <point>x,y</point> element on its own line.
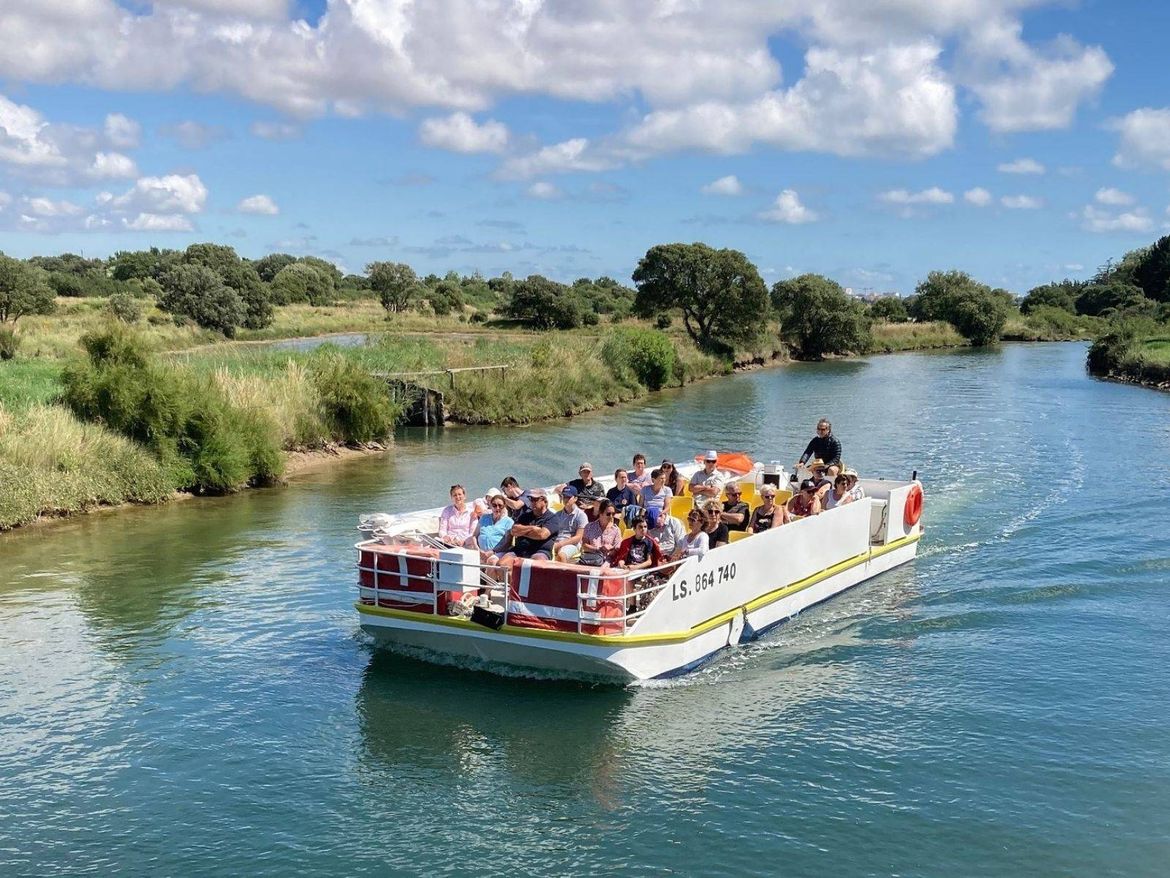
<point>718,294</point>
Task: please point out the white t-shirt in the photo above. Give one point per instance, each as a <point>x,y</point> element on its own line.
<point>715,480</point>
<point>696,547</point>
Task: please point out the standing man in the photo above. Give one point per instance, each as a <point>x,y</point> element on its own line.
<point>825,447</point>
<point>707,484</point>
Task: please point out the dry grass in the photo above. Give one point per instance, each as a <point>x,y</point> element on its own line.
<point>891,337</point>
<point>53,464</point>
<point>288,399</point>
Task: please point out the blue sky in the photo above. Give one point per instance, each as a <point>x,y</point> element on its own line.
<point>1017,139</point>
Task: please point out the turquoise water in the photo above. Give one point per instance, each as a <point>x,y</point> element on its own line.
<point>185,690</point>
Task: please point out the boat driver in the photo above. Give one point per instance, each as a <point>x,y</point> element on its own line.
<point>824,447</point>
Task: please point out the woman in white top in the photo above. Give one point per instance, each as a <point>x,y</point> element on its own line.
<point>695,542</point>
<point>458,522</point>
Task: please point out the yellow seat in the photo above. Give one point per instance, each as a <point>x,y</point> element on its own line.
<point>783,497</point>
<point>680,506</point>
<point>747,492</point>
<point>734,536</point>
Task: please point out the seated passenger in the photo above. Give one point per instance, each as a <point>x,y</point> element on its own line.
<point>588,490</point>
<point>639,476</point>
<point>569,527</point>
<point>839,495</point>
<point>674,480</point>
<point>458,522</point>
<point>533,534</point>
<point>516,498</point>
<point>768,515</point>
<point>483,505</point>
<point>623,497</point>
<point>694,542</point>
<point>494,529</point>
<point>666,530</point>
<point>736,513</point>
<point>638,551</point>
<point>708,482</point>
<point>656,494</point>
<point>713,526</point>
<point>805,502</point>
<point>602,536</point>
<point>855,490</point>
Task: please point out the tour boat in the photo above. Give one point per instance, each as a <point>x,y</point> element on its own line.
<point>416,593</point>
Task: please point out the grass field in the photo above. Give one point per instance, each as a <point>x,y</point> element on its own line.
<point>1155,350</point>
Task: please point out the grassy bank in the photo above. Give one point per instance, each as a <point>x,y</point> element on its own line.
<point>890,338</point>
<point>1136,354</point>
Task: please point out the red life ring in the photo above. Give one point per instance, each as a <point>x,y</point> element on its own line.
<point>913,509</point>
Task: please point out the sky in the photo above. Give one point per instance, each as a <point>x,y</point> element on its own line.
<point>1020,140</point>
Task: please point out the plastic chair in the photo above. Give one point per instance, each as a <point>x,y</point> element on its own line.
<point>680,506</point>
<point>747,492</point>
<point>734,536</point>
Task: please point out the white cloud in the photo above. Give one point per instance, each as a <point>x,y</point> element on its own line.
<point>122,131</point>
<point>978,196</point>
<point>566,156</point>
<point>46,207</point>
<point>232,8</point>
<point>190,134</point>
<point>1094,219</point>
<point>64,155</point>
<point>1021,166</point>
<point>1113,197</point>
<point>275,130</point>
<point>1023,88</point>
<point>728,185</point>
<point>460,133</point>
<point>172,193</point>
<point>933,195</point>
<point>156,222</point>
<point>893,100</point>
<point>788,209</point>
<point>1145,139</point>
<point>5,199</point>
<point>259,204</point>
<point>1021,202</point>
<point>543,190</point>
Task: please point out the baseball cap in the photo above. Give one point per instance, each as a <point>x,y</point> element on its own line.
<point>652,516</point>
<point>808,485</point>
<point>568,491</point>
<point>711,455</point>
<point>587,466</point>
<point>494,492</point>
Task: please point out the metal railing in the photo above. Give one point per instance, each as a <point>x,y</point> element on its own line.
<point>628,618</point>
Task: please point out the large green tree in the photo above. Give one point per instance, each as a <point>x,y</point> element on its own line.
<point>976,311</point>
<point>24,289</point>
<point>545,304</point>
<point>237,274</point>
<point>198,292</point>
<point>302,282</point>
<point>395,283</point>
<point>817,317</point>
<point>721,295</point>
<point>1152,273</point>
<point>1062,294</point>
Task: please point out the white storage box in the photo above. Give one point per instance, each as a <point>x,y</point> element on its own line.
<point>458,568</point>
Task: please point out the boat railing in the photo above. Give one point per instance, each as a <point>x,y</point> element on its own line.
<point>493,578</point>
<point>641,587</point>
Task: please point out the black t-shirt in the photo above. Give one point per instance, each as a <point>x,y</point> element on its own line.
<point>739,508</point>
<point>639,551</point>
<point>719,535</point>
<point>588,493</point>
<point>762,521</point>
<point>622,497</point>
<point>526,547</point>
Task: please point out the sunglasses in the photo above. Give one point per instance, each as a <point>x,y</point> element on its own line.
<point>497,506</point>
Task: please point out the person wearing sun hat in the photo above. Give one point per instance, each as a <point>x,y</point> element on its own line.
<point>707,483</point>
<point>855,490</point>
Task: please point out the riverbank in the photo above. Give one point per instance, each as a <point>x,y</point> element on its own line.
<point>52,464</point>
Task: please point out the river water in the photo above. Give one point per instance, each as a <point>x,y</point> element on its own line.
<point>184,690</point>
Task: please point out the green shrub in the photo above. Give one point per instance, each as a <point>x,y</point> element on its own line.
<point>9,342</point>
<point>663,321</point>
<point>205,443</point>
<point>125,307</point>
<point>642,355</point>
<point>357,406</point>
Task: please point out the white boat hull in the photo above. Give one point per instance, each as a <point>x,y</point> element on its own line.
<point>647,653</point>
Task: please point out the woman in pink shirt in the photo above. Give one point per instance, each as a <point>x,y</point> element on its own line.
<point>458,522</point>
